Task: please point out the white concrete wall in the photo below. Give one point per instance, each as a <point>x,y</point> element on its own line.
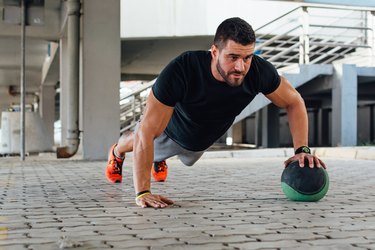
<point>343,2</point>
<point>158,18</point>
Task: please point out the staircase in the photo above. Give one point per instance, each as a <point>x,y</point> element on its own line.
<point>315,34</point>
<point>306,40</point>
<point>132,106</point>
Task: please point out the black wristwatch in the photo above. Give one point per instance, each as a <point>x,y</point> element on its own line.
<point>303,149</point>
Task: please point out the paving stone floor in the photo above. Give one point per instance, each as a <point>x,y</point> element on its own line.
<point>226,203</point>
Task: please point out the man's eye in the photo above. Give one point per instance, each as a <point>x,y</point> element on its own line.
<point>246,59</point>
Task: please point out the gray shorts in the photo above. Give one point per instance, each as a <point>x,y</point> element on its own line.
<point>165,147</point>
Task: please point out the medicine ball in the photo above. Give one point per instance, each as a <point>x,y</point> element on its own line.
<point>304,184</point>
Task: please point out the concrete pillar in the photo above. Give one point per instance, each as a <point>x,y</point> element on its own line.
<point>63,89</point>
<point>249,130</point>
<point>258,128</point>
<point>270,126</point>
<point>47,109</point>
<point>344,105</point>
<point>237,132</point>
<point>323,127</point>
<point>314,121</point>
<point>101,62</point>
<point>372,123</point>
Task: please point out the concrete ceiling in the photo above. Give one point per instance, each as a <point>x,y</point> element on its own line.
<point>144,59</point>
<point>36,48</point>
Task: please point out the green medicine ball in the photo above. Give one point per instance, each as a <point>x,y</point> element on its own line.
<point>304,184</point>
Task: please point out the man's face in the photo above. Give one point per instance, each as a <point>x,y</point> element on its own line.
<point>232,62</point>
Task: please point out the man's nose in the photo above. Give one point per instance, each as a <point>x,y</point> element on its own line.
<point>239,65</point>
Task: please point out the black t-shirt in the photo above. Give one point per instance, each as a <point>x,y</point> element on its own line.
<point>204,108</point>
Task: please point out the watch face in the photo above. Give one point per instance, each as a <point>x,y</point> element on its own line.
<point>305,150</point>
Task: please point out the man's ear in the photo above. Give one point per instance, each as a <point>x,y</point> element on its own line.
<point>214,51</point>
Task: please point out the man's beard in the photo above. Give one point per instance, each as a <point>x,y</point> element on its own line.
<point>233,83</point>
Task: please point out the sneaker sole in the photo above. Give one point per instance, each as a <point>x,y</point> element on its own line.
<point>109,180</point>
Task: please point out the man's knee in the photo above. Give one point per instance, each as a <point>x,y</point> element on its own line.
<point>188,163</point>
<point>190,160</point>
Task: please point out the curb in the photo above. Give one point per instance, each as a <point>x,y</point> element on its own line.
<point>352,153</point>
<point>253,153</point>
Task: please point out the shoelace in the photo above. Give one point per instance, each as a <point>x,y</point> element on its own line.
<point>117,168</point>
<point>161,166</point>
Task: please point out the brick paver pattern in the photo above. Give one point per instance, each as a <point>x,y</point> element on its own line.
<point>226,203</point>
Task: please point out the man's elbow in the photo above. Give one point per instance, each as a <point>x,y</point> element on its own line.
<point>296,103</point>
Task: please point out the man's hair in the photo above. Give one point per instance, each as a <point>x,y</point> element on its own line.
<point>235,29</point>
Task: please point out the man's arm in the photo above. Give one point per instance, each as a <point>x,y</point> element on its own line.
<point>152,124</point>
<point>285,96</point>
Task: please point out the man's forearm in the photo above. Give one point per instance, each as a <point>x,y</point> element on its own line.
<point>143,157</point>
<point>298,124</point>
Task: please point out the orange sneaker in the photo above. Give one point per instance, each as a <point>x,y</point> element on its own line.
<point>113,171</point>
<point>159,171</point>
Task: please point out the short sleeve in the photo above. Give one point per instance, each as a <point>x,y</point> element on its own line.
<point>170,84</point>
<point>271,78</point>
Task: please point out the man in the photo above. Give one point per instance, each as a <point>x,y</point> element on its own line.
<point>195,100</point>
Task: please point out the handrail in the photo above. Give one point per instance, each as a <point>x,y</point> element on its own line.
<point>336,7</point>
<point>340,44</point>
<point>132,110</point>
<point>138,91</point>
<point>277,18</point>
<point>340,27</point>
<point>285,52</point>
<point>270,41</point>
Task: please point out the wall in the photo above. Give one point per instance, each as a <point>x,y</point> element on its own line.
<point>192,18</point>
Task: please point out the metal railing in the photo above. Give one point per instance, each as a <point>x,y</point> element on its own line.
<point>315,34</point>
<point>132,106</point>
<point>308,34</point>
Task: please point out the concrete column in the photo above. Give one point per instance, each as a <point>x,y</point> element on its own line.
<point>372,123</point>
<point>237,132</point>
<point>314,121</point>
<point>258,128</point>
<point>101,60</point>
<point>63,89</point>
<point>270,126</point>
<point>323,127</point>
<point>47,109</point>
<point>344,105</point>
<point>249,130</point>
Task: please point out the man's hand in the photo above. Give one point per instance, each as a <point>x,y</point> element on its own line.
<point>153,200</point>
<point>312,159</point>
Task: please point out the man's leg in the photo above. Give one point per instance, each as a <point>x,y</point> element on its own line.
<point>164,148</point>
<point>188,158</point>
<point>116,157</point>
<point>124,144</point>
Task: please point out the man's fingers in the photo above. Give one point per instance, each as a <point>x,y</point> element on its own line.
<point>155,201</point>
<point>301,157</point>
<point>301,162</point>
<point>166,200</point>
<point>319,163</point>
<point>288,161</point>
<point>311,161</point>
<point>322,164</point>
